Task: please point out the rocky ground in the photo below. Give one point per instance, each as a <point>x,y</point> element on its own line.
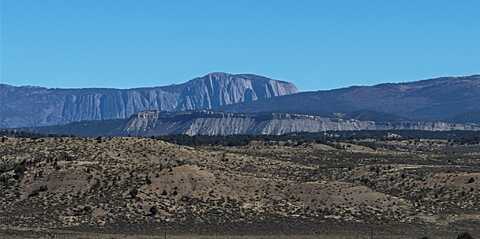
<point>127,185</point>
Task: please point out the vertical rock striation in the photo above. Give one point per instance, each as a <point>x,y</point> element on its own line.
<point>37,106</point>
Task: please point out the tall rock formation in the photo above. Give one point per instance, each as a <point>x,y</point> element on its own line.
<point>37,106</point>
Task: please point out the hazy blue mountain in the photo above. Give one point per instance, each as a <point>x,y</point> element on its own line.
<point>36,106</point>
<point>434,99</point>
<point>447,99</point>
<point>466,117</point>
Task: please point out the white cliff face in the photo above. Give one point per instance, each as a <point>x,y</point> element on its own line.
<point>36,106</point>
<point>218,89</point>
<point>216,123</point>
<point>428,126</point>
<point>155,123</point>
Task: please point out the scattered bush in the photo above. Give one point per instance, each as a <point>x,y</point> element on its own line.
<point>133,193</point>
<point>20,170</point>
<point>153,211</point>
<point>148,181</point>
<point>465,235</point>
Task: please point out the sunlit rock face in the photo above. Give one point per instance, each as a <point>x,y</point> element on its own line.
<point>220,123</point>
<point>37,106</point>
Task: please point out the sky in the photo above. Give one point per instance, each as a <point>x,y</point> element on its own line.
<point>316,44</point>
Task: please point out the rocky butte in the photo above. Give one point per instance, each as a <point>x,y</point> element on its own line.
<point>37,106</point>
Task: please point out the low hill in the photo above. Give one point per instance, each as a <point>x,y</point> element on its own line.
<point>437,99</point>
<point>156,123</point>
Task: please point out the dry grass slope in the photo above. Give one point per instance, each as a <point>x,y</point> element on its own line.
<point>136,185</point>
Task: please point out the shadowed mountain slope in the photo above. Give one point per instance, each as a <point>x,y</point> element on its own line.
<point>434,99</point>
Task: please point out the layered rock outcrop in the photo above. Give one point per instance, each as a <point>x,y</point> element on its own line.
<point>219,123</point>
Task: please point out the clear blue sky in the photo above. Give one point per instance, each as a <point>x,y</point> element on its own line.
<point>315,44</point>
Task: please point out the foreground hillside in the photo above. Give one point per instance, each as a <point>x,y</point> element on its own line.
<point>126,185</point>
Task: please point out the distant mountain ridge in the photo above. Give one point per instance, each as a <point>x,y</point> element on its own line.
<point>447,99</point>
<point>428,100</point>
<point>37,106</point>
<point>466,117</point>
<point>156,123</point>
